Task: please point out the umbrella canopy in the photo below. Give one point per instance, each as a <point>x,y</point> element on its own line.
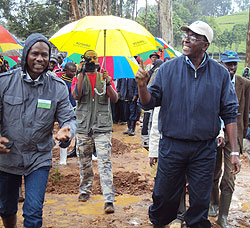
<point>107,35</point>
<point>117,66</point>
<point>163,50</point>
<point>12,60</point>
<point>8,41</point>
<point>14,52</point>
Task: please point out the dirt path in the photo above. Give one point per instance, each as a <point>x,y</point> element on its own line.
<point>133,187</point>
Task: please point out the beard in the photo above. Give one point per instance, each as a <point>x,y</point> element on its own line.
<point>91,67</point>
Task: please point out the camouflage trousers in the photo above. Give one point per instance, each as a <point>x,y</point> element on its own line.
<point>84,149</point>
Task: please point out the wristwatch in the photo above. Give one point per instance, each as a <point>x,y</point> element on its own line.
<point>108,83</point>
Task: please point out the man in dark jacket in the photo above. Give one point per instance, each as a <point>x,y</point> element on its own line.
<point>128,94</point>
<point>193,92</point>
<point>31,100</point>
<point>221,202</point>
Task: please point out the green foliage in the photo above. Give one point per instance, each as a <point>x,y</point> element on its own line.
<point>228,21</point>
<point>242,4</point>
<point>216,7</point>
<point>182,12</point>
<point>55,175</point>
<point>30,17</point>
<point>152,19</point>
<point>233,28</point>
<point>194,9</point>
<point>177,23</point>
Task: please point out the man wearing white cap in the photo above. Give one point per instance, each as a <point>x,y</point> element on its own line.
<point>193,92</point>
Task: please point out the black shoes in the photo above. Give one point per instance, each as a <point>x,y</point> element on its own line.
<point>109,208</point>
<point>83,197</point>
<point>72,153</point>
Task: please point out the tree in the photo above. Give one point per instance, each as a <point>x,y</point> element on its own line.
<point>166,22</point>
<point>216,7</point>
<point>75,9</point>
<point>177,33</point>
<point>45,18</point>
<point>242,4</point>
<point>152,19</point>
<point>239,32</point>
<point>247,61</point>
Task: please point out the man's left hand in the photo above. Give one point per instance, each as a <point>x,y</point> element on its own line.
<point>221,142</point>
<point>235,161</point>
<point>63,134</point>
<point>106,76</point>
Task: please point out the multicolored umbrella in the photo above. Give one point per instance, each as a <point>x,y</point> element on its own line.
<point>14,52</point>
<point>117,66</point>
<point>8,41</point>
<point>107,35</point>
<point>12,60</point>
<point>163,50</point>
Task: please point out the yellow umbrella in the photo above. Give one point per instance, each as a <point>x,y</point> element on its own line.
<point>107,35</point>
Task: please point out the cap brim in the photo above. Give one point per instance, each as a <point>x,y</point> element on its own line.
<point>230,60</point>
<point>184,28</point>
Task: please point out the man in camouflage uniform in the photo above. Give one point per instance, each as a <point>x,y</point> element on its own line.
<point>93,92</point>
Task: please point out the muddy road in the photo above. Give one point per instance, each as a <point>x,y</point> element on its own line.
<point>133,187</point>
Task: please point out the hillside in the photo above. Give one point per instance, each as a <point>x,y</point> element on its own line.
<point>228,21</point>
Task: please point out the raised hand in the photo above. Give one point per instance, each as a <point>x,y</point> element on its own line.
<point>141,76</point>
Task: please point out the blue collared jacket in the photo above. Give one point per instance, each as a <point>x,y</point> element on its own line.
<point>193,100</point>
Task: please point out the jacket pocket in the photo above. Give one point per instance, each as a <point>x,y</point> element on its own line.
<point>12,107</point>
<point>103,100</point>
<point>81,120</point>
<point>104,120</point>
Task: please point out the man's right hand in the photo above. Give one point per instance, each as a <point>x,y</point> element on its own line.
<point>3,149</point>
<point>236,164</point>
<point>141,76</point>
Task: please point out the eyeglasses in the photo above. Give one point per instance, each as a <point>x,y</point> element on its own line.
<point>191,38</point>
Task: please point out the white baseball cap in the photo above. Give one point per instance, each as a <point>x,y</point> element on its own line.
<point>201,28</point>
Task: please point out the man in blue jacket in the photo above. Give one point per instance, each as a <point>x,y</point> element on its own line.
<point>193,92</point>
<point>31,100</point>
<point>128,94</point>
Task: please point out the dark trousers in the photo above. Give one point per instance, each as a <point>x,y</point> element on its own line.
<point>177,158</point>
<point>130,110</point>
<point>119,112</point>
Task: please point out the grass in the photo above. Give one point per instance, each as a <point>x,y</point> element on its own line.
<point>55,175</point>
<point>228,21</point>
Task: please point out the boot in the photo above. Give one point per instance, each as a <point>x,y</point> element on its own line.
<point>129,127</point>
<point>132,131</point>
<point>63,156</point>
<point>214,200</point>
<point>10,222</point>
<point>72,153</point>
<point>213,210</point>
<point>225,201</point>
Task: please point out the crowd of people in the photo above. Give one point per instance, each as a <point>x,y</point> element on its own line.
<point>195,116</point>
